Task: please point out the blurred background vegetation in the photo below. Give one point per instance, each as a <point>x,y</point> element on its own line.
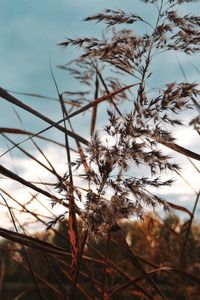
<point>157,243</point>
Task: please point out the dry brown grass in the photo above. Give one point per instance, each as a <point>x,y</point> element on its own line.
<point>109,194</point>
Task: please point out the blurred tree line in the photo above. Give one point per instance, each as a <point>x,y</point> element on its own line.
<point>156,243</point>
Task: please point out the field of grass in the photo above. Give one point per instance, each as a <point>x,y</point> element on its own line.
<point>98,226</point>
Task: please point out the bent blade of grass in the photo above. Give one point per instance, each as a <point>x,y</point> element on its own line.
<point>37,216</point>
<point>177,207</point>
<point>4,171</point>
<point>72,103</point>
<point>18,131</point>
<point>73,230</point>
<point>8,97</point>
<point>51,169</point>
<point>24,209</point>
<point>184,246</point>
<point>107,91</point>
<point>33,242</point>
<point>41,245</point>
<point>94,110</point>
<point>174,146</point>
<point>181,150</point>
<point>183,178</point>
<point>101,99</point>
<point>47,160</point>
<point>77,263</point>
<point>196,168</point>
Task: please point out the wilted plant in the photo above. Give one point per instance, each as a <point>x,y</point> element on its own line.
<point>133,138</point>
<point>111,163</point>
